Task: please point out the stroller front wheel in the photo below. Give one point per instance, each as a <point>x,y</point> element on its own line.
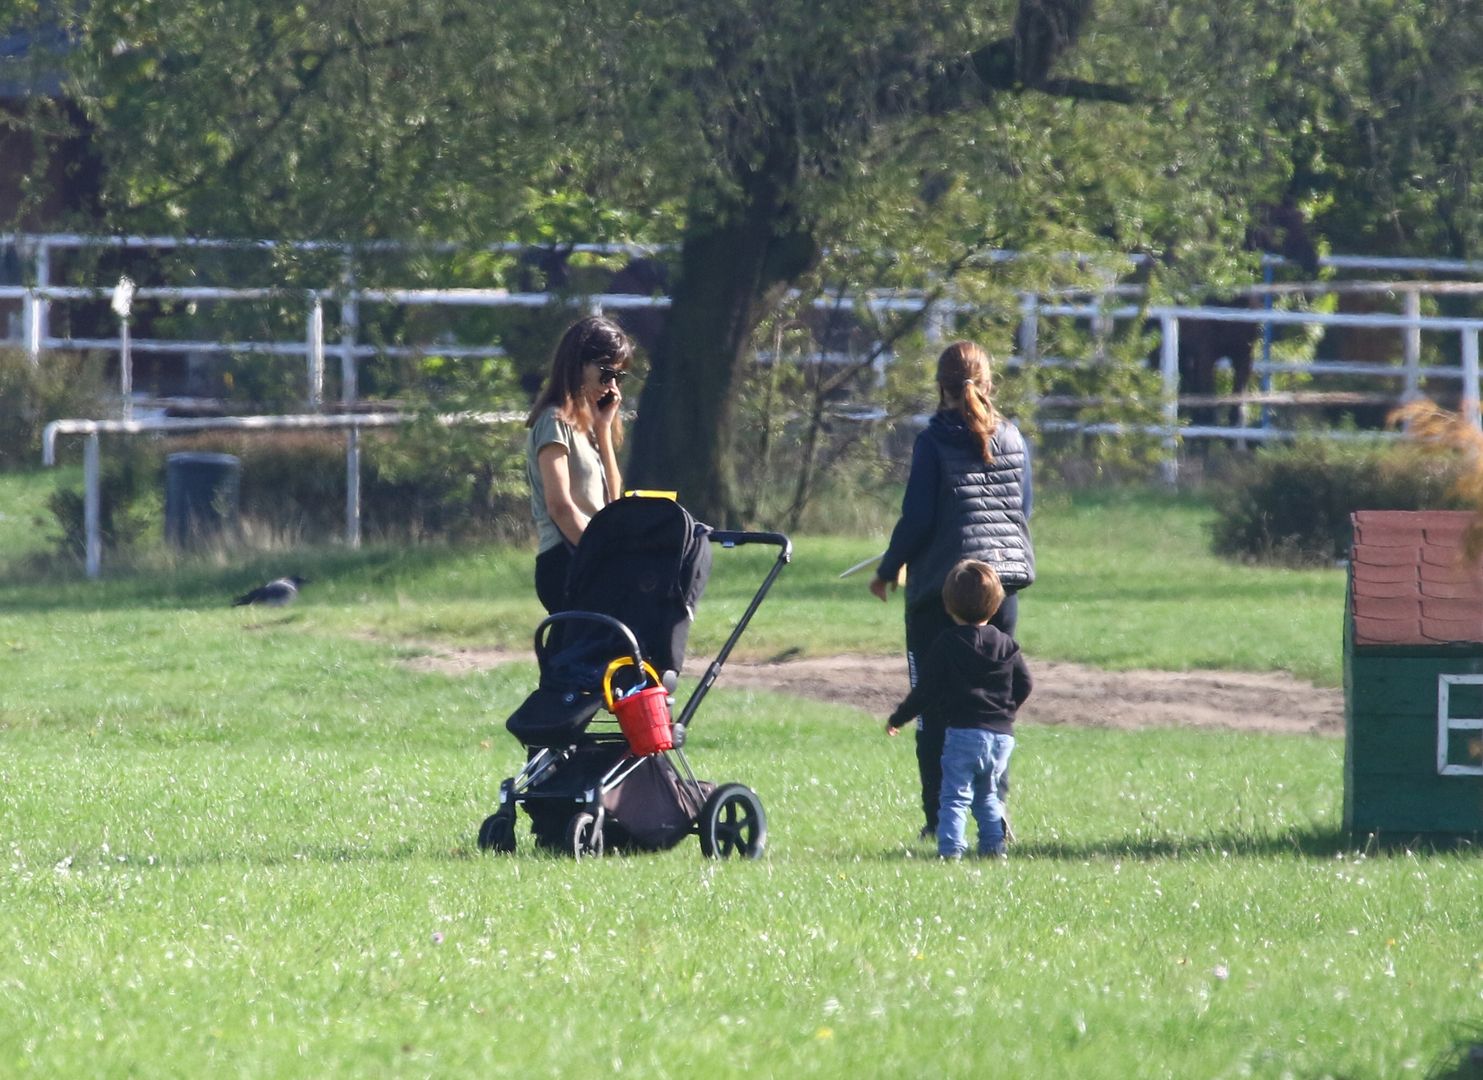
<point>498,833</point>
<point>732,823</point>
<point>584,835</point>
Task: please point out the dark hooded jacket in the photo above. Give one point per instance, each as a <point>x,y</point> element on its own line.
<point>972,677</point>
<point>957,507</point>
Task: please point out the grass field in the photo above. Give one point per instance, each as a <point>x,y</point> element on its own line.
<point>1125,581</point>
<point>241,843</point>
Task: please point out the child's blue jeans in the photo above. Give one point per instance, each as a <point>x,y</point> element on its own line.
<point>973,763</point>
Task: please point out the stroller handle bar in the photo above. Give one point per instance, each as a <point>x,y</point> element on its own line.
<point>729,540</point>
<point>737,539</point>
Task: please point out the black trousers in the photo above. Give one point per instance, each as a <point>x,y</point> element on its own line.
<point>923,623</point>
<point>551,567</point>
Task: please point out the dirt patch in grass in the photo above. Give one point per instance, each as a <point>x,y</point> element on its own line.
<point>1064,693</point>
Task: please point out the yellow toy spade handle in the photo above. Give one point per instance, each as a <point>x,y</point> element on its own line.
<point>622,662</point>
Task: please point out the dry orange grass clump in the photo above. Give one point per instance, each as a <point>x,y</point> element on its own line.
<point>1447,432</point>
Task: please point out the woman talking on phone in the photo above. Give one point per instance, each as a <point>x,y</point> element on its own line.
<point>571,453</point>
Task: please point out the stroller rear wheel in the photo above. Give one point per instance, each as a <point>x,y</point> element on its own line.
<point>498,833</point>
<point>732,823</point>
<point>584,835</point>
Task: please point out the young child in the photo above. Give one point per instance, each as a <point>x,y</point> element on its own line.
<point>969,686</point>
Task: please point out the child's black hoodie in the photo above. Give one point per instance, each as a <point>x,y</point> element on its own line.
<point>971,677</point>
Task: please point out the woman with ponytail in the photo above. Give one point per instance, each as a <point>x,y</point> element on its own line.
<point>967,497</point>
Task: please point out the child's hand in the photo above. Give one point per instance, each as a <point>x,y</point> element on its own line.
<point>892,731</point>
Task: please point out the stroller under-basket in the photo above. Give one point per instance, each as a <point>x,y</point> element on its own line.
<point>606,767</point>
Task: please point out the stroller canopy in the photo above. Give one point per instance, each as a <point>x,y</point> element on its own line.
<point>645,562</point>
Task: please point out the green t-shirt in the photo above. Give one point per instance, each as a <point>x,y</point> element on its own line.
<point>584,466</point>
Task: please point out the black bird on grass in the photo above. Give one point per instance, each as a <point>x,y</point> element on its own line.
<point>276,593</point>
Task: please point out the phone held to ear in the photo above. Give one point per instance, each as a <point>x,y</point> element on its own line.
<point>606,400</point>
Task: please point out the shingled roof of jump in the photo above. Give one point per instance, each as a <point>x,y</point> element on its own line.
<point>1411,582</point>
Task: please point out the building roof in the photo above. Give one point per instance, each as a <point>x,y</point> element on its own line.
<point>1410,581</point>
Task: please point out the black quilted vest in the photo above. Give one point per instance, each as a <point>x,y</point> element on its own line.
<point>979,512</point>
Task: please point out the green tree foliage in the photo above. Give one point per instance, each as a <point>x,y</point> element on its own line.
<point>1384,123</point>
<point>33,395</point>
<point>781,146</point>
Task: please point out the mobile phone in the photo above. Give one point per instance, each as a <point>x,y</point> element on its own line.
<point>606,400</point>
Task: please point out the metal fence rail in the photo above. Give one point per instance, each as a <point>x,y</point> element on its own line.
<point>1102,309</point>
<point>315,348</point>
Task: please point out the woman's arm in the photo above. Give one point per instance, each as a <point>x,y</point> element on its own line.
<point>603,430</point>
<point>556,479</point>
<point>918,514</point>
<point>611,476</point>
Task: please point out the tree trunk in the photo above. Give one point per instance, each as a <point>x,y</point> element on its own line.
<point>735,265</point>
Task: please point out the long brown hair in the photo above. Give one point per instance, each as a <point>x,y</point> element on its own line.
<point>966,383</point>
<point>593,340</point>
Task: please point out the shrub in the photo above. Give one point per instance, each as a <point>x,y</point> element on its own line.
<point>416,484</point>
<point>32,395</point>
<point>129,500</point>
<point>1292,504</point>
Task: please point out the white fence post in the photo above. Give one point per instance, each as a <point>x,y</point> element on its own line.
<point>349,329</point>
<point>41,314</point>
<point>1169,369</point>
<point>91,528</point>
<point>1470,410</point>
<point>31,326</point>
<point>125,369</point>
<point>352,486</point>
<point>316,352</point>
<point>1102,327</point>
<point>1029,329</point>
<point>1411,346</point>
<point>934,325</point>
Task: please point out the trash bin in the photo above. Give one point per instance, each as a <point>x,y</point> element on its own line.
<point>201,497</point>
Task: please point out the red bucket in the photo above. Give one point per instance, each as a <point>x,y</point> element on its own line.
<point>644,718</point>
<point>643,714</point>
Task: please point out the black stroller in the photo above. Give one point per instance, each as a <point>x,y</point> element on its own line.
<point>618,779</point>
